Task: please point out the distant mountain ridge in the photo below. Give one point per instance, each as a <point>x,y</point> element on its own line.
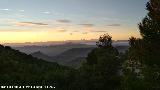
<point>51,50</point>
<point>54,43</point>
<point>71,55</point>
<point>68,54</point>
<point>41,55</point>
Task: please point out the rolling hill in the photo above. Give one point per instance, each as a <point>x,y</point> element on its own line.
<point>51,50</point>
<point>73,55</point>
<point>41,55</point>
<point>66,54</point>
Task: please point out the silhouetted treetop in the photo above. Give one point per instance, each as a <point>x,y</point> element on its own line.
<point>153,6</point>
<point>105,40</point>
<point>150,25</point>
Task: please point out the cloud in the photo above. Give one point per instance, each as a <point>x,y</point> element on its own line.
<point>47,12</point>
<point>87,25</point>
<point>71,33</point>
<point>64,21</point>
<point>14,30</point>
<point>30,24</point>
<point>61,30</point>
<point>20,15</point>
<point>99,31</point>
<point>85,33</point>
<point>21,10</point>
<point>75,31</point>
<point>114,25</point>
<point>6,9</point>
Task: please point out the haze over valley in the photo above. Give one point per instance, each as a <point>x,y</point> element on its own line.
<point>65,53</point>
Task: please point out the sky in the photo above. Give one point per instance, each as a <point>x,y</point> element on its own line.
<point>60,20</point>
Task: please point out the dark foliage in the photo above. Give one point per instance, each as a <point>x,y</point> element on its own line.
<point>101,71</point>
<point>17,68</point>
<point>104,69</point>
<point>104,41</point>
<point>143,57</point>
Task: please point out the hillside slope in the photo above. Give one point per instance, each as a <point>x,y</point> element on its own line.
<point>70,55</point>
<point>17,68</point>
<point>41,55</point>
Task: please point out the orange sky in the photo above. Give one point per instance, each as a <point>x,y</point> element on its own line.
<point>56,34</point>
<point>59,20</point>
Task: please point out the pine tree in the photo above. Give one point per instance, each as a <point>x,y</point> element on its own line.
<point>146,51</point>
<point>101,70</point>
<point>105,40</point>
<point>150,32</point>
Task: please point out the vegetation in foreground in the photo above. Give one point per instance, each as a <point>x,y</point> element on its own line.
<point>105,68</point>
<point>17,68</point>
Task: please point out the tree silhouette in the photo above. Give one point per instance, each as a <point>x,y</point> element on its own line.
<point>146,51</point>
<point>105,40</point>
<point>150,32</point>
<point>102,66</point>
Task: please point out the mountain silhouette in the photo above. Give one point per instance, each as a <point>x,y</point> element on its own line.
<point>41,55</point>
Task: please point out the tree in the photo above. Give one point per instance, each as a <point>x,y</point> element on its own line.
<point>132,67</point>
<point>105,40</point>
<point>101,70</point>
<point>150,32</point>
<point>146,51</point>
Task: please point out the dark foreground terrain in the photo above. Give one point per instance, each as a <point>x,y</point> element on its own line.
<point>17,68</point>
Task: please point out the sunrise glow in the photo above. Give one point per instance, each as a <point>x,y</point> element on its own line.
<point>60,20</point>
